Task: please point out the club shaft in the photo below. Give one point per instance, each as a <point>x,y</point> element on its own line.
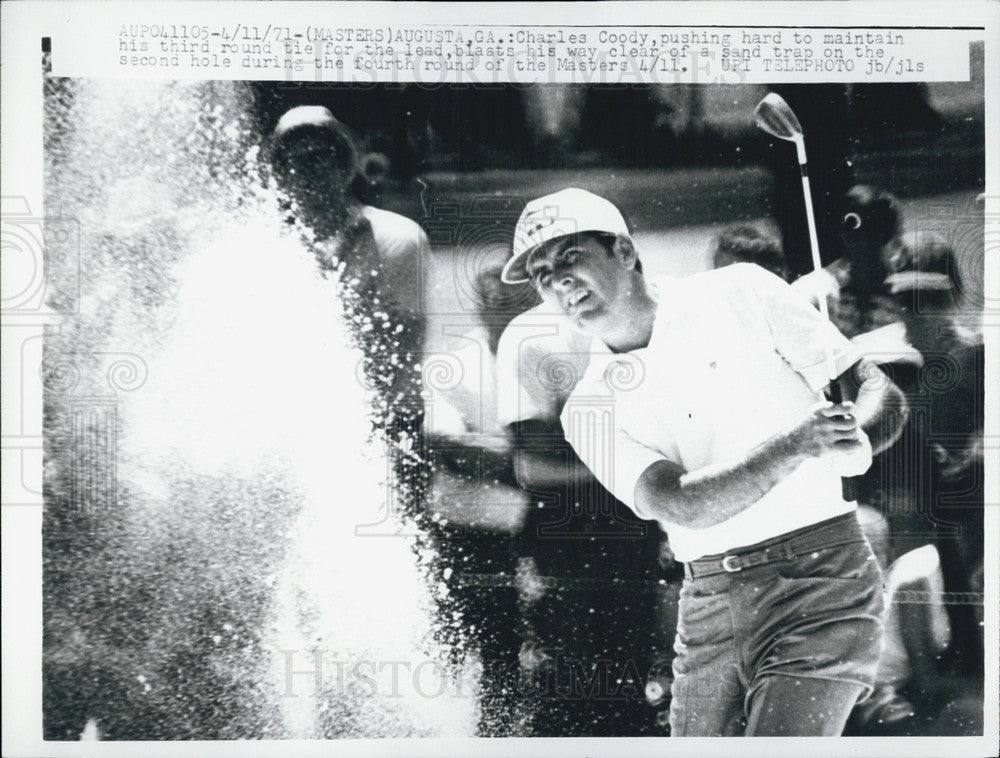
<point>831,365</point>
<point>850,487</point>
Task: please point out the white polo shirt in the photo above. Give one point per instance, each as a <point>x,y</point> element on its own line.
<point>735,357</point>
<point>404,252</point>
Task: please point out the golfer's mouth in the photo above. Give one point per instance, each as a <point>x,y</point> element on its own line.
<point>575,299</point>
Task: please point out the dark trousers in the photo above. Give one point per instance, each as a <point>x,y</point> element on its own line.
<point>786,646</point>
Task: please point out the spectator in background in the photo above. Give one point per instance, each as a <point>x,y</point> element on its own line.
<point>947,394</point>
<point>474,397</point>
<point>379,260</point>
<point>379,257</point>
<point>316,161</point>
<point>468,442</point>
<point>853,284</point>
<point>476,497</point>
<point>585,563</point>
<point>909,687</point>
<point>747,244</point>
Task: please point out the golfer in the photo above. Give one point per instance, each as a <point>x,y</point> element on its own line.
<point>703,407</point>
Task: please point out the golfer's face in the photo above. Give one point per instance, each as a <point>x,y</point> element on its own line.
<point>582,279</point>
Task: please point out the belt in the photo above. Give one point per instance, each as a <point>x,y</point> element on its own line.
<point>836,531</point>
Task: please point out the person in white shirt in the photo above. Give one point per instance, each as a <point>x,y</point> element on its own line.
<point>588,571</point>
<point>702,407</point>
<point>379,259</point>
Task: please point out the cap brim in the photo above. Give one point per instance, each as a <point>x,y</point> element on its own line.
<point>910,281</point>
<point>514,271</point>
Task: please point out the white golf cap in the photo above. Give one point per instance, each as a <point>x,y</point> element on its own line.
<point>926,262</point>
<point>569,211</point>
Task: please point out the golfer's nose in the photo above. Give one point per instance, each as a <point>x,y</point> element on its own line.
<point>564,283</point>
<point>562,277</point>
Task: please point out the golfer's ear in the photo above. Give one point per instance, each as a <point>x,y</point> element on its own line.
<point>625,251</point>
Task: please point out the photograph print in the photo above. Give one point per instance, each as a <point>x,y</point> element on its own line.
<point>543,410</point>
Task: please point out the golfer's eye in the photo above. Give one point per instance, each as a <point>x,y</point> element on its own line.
<point>542,277</point>
<point>852,221</point>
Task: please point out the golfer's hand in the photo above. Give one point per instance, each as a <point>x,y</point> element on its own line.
<point>830,429</point>
<point>857,461</point>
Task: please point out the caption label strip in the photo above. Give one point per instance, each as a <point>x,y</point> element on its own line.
<point>529,54</point>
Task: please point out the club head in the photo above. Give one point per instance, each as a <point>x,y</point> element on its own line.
<point>776,117</point>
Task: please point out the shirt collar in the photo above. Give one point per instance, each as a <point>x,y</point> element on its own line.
<point>663,289</point>
<point>603,358</point>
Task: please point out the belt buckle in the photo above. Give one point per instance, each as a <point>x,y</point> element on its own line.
<point>728,566</point>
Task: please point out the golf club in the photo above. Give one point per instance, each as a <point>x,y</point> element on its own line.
<point>776,117</point>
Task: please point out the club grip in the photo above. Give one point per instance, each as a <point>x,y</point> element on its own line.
<point>850,486</point>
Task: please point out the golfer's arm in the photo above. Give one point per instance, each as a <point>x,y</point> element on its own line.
<point>711,495</point>
<point>879,404</point>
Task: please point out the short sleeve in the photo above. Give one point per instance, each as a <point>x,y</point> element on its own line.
<point>396,236</point>
<point>614,457</point>
<point>801,334</point>
<point>404,251</point>
<point>539,362</point>
<point>515,402</point>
